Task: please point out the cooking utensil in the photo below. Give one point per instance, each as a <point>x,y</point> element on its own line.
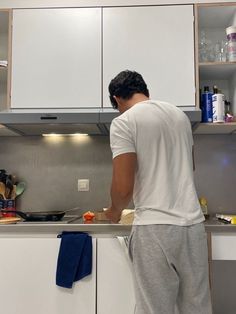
<point>13,192</point>
<point>20,188</point>
<point>9,186</point>
<point>39,216</point>
<point>3,190</point>
<point>3,175</point>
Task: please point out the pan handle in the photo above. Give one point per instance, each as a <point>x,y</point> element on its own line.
<point>17,212</point>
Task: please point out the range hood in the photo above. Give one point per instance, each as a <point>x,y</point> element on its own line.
<point>90,121</point>
<point>63,121</point>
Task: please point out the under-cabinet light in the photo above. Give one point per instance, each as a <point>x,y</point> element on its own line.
<point>57,134</point>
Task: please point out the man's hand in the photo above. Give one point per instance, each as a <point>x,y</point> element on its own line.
<point>113,214</point>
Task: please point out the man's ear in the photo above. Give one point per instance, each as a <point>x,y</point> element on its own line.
<point>118,100</point>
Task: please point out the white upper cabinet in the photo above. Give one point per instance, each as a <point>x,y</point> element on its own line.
<point>157,42</point>
<point>56,58</point>
<point>4,54</point>
<point>5,35</point>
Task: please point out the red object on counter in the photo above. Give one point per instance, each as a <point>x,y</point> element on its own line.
<point>88,216</point>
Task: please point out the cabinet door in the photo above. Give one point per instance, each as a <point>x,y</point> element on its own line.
<point>27,280</point>
<point>56,58</point>
<point>157,42</point>
<point>115,293</point>
<point>4,54</point>
<point>223,246</point>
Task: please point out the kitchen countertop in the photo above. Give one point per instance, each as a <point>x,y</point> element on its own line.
<point>215,225</point>
<point>94,228</point>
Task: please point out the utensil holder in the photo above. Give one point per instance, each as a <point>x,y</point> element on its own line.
<point>8,205</point>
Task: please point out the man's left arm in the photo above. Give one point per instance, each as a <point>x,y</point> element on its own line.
<point>122,186</point>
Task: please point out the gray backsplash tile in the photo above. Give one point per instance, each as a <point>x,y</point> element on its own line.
<point>51,168</point>
<point>215,174</point>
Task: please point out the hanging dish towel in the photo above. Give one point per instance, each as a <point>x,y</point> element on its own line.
<point>74,259</point>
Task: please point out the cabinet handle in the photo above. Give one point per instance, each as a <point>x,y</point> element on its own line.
<point>48,118</point>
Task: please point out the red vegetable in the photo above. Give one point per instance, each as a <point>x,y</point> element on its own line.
<point>88,216</point>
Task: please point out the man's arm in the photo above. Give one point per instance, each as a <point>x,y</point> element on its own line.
<point>123,176</point>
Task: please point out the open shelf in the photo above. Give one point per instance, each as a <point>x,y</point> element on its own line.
<point>216,70</point>
<point>212,20</point>
<point>218,15</point>
<point>215,128</point>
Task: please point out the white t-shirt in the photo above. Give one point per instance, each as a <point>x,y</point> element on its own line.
<point>160,134</point>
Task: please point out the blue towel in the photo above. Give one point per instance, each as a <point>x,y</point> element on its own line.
<point>74,259</point>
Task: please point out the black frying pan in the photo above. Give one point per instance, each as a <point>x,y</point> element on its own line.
<point>38,216</point>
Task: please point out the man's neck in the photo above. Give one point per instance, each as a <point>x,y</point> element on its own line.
<point>133,101</point>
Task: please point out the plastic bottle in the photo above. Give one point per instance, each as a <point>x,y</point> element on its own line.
<point>218,105</point>
<point>203,203</point>
<point>206,105</point>
<point>228,112</point>
<point>227,107</point>
<point>231,37</point>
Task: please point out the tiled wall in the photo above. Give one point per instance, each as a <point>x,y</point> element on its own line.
<point>51,168</point>
<point>215,174</point>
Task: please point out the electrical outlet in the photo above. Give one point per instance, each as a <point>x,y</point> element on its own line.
<point>83,185</point>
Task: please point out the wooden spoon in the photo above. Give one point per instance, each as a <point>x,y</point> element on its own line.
<point>3,190</point>
<point>13,192</point>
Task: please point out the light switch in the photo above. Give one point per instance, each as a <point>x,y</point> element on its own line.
<point>83,185</point>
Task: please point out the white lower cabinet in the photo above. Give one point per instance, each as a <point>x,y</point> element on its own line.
<point>28,272</point>
<point>27,279</point>
<point>223,246</point>
<point>115,292</point>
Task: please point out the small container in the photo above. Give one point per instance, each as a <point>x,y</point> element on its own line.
<point>232,51</point>
<point>218,106</point>
<point>204,207</point>
<point>231,37</point>
<point>206,105</point>
<point>231,33</point>
<point>2,206</point>
<point>8,205</point>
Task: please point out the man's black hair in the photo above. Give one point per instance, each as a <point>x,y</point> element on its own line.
<point>125,85</point>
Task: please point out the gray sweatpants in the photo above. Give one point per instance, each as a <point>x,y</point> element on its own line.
<point>170,266</point>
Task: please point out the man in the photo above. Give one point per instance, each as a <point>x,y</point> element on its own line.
<point>151,142</point>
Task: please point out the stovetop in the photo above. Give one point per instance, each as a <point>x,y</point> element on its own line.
<point>65,220</point>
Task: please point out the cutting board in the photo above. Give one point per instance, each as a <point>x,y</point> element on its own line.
<point>127,216</point>
<point>9,220</point>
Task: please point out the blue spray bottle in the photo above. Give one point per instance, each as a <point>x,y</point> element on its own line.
<point>206,105</point>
